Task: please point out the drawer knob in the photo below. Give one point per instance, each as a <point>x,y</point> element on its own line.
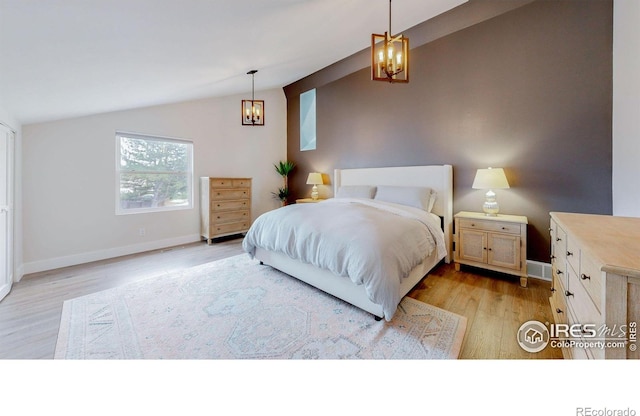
<point>558,310</point>
<point>553,257</point>
<point>569,253</point>
<point>558,239</point>
<point>504,228</point>
<point>559,272</point>
<point>553,289</point>
<point>585,277</point>
<point>567,293</point>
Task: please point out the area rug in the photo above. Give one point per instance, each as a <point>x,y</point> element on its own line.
<point>236,308</point>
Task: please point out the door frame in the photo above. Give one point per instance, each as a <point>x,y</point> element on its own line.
<point>7,276</point>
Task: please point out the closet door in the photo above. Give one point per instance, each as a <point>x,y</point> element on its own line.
<point>6,210</point>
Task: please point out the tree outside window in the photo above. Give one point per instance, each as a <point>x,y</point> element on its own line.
<point>154,174</point>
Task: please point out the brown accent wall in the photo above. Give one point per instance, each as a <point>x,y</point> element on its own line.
<point>527,89</point>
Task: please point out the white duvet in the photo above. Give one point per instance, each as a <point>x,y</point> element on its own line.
<point>373,243</point>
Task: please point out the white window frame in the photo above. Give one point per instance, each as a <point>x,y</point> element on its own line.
<point>119,171</point>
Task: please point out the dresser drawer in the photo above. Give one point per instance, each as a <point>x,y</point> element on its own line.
<point>572,254</point>
<point>580,302</point>
<point>241,183</point>
<point>231,227</point>
<point>220,183</point>
<point>559,272</point>
<point>559,310</point>
<point>487,225</point>
<point>558,302</point>
<point>591,279</point>
<point>222,217</point>
<point>559,243</point>
<point>232,205</point>
<point>226,194</point>
<point>561,235</point>
<point>576,348</point>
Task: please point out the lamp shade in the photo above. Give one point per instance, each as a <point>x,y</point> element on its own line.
<point>491,178</point>
<point>314,178</point>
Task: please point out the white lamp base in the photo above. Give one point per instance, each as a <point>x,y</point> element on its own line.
<point>314,192</point>
<point>490,206</point>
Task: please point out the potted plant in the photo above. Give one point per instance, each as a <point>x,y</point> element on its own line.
<point>284,168</point>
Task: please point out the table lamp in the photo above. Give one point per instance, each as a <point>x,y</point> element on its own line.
<point>314,179</point>
<point>491,178</point>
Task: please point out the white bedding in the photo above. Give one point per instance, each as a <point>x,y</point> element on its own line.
<point>373,243</point>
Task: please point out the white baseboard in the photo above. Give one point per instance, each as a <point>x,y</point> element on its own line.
<point>539,270</point>
<point>19,273</point>
<point>56,263</point>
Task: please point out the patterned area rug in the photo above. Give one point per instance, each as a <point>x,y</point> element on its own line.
<point>238,309</point>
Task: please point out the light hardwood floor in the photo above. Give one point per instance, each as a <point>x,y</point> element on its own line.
<point>495,306</point>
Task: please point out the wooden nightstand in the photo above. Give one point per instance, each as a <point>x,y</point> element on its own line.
<point>495,243</point>
<point>309,200</point>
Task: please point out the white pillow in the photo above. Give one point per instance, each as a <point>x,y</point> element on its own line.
<point>413,196</point>
<point>356,191</point>
<point>432,200</point>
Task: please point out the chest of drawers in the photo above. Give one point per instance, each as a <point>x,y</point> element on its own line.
<point>225,207</point>
<point>595,290</point>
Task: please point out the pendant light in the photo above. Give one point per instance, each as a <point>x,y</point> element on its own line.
<point>252,110</point>
<point>389,56</point>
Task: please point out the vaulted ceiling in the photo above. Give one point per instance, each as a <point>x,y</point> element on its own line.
<point>67,58</point>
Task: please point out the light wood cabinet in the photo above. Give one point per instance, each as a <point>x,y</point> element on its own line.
<point>225,207</point>
<point>497,243</point>
<point>595,290</point>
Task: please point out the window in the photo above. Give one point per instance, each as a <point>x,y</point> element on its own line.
<point>308,120</point>
<point>153,174</point>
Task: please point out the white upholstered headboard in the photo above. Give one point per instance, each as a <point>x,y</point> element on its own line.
<point>437,177</point>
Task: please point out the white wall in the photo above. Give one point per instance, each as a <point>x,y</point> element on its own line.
<point>626,102</point>
<point>69,176</point>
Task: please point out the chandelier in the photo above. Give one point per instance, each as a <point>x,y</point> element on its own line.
<point>252,110</point>
<point>389,56</point>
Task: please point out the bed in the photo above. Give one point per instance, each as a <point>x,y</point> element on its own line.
<point>360,285</point>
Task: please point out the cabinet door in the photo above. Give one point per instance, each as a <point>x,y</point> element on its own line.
<point>473,245</point>
<point>504,250</point>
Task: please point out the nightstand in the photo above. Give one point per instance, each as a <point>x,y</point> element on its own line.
<point>495,243</point>
<point>308,200</point>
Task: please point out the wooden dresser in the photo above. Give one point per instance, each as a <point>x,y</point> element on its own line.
<point>595,293</point>
<point>225,207</point>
